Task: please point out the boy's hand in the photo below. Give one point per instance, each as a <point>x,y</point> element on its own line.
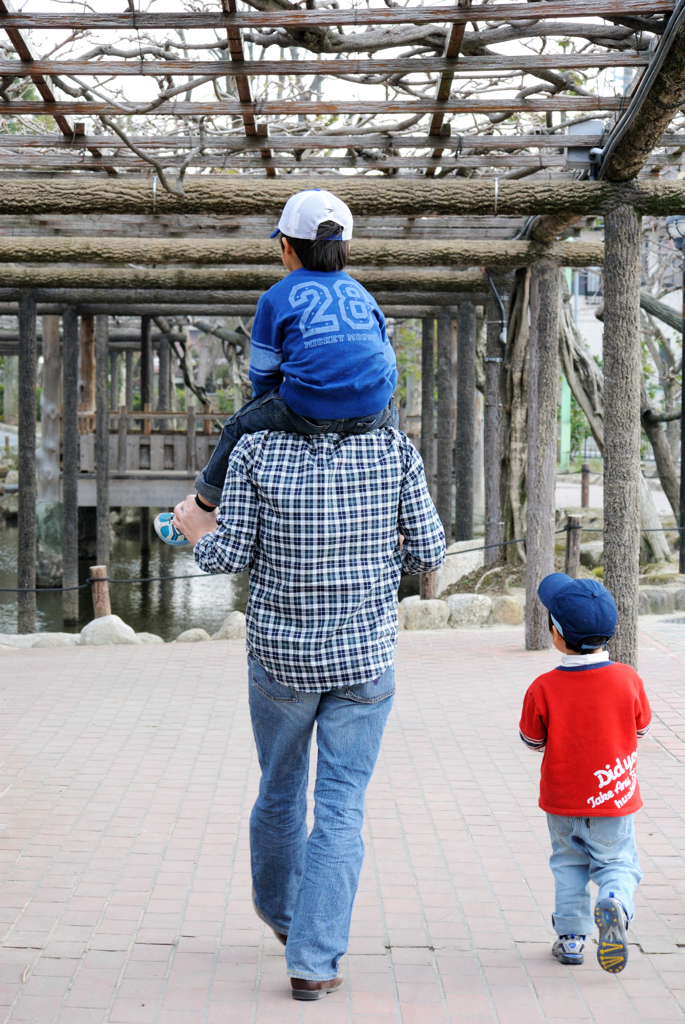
<point>192,521</point>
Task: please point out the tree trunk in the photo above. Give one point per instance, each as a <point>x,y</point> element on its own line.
<point>445,426</point>
<point>663,456</point>
<point>622,381</point>
<point>466,421</point>
<point>49,505</point>
<point>543,375</point>
<point>651,523</point>
<point>11,390</point>
<point>86,369</point>
<point>26,554</point>
<point>70,459</point>
<point>493,435</point>
<point>428,398</point>
<point>102,440</point>
<point>516,415</point>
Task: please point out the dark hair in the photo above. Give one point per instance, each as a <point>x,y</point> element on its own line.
<point>582,645</point>
<point>325,252</point>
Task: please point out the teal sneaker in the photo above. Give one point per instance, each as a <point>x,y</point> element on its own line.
<point>612,949</point>
<point>166,531</point>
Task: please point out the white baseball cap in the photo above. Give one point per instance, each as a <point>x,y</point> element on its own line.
<point>304,211</point>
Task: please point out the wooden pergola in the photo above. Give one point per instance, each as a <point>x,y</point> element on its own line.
<point>465,138</point>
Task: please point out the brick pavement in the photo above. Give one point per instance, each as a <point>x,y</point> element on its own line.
<point>127,775</point>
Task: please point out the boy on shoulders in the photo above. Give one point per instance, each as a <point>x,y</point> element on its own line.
<point>587,715</point>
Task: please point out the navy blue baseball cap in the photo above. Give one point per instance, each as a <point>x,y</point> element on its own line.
<point>579,608</point>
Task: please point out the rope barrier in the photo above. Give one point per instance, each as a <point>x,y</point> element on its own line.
<point>210,576</point>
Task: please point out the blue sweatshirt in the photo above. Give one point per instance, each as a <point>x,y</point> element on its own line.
<point>322,338</point>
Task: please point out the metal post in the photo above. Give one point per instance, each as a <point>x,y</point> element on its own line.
<point>26,557</point>
<point>585,486</point>
<point>70,458</point>
<point>102,438</point>
<point>573,528</point>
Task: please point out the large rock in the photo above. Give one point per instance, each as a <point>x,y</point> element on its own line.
<point>56,640</point>
<point>107,630</point>
<point>193,636</point>
<point>679,596</point>
<point>401,615</point>
<point>592,554</point>
<point>657,600</point>
<point>507,611</point>
<point>458,565</point>
<point>148,638</point>
<point>468,609</point>
<point>232,628</point>
<point>427,615</point>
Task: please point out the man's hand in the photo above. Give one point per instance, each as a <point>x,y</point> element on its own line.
<point>192,521</point>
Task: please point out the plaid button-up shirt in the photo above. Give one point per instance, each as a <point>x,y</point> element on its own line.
<point>316,520</point>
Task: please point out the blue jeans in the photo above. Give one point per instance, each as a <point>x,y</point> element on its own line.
<point>305,885</point>
<point>270,412</point>
<point>583,849</point>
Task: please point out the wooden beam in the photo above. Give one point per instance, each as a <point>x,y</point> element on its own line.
<point>286,143</point>
<point>444,87</point>
<point>315,108</point>
<point>235,44</point>
<point>366,196</point>
<point>228,281</point>
<point>365,252</point>
<point>125,297</point>
<point>302,19</point>
<point>490,63</point>
<point>30,160</point>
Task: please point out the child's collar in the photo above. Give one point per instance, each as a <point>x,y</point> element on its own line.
<point>580,660</point>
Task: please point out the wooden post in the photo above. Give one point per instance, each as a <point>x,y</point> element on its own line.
<point>191,438</point>
<point>102,438</point>
<point>492,431</point>
<point>427,586</point>
<point>129,380</point>
<point>100,589</point>
<point>573,531</point>
<point>466,420</point>
<point>163,387</point>
<point>147,423</point>
<point>70,455</point>
<point>26,554</point>
<point>48,504</point>
<point>428,398</point>
<point>11,389</point>
<point>622,378</point>
<point>585,486</point>
<point>114,380</point>
<point>445,425</point>
<point>543,374</point>
<point>86,371</point>
<point>121,450</point>
<point>145,530</point>
<point>145,362</point>
<point>206,424</point>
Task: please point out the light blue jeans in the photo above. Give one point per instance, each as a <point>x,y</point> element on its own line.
<point>305,885</point>
<point>601,850</point>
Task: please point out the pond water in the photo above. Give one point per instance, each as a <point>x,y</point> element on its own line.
<point>165,608</point>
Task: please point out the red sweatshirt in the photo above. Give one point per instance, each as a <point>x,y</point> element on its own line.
<point>588,720</point>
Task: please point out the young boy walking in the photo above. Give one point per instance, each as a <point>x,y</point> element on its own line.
<point>587,715</point>
<point>321,361</point>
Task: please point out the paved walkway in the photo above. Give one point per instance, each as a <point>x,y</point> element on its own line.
<point>127,775</point>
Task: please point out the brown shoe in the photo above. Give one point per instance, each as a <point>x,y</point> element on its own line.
<point>303,989</point>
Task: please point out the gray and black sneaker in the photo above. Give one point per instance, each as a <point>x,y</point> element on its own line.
<point>568,949</point>
<point>612,950</point>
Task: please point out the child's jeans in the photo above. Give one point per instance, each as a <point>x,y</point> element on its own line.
<point>599,849</point>
<point>269,412</point>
